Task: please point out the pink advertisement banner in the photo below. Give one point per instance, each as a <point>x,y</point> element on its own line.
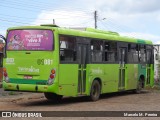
<point>30,40</point>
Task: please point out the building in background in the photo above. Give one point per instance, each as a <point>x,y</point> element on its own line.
<point>157,63</point>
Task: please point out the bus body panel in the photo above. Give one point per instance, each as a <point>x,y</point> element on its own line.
<point>37,66</point>
<point>30,70</point>
<point>152,75</point>
<point>68,79</point>
<point>110,77</point>
<point>131,82</point>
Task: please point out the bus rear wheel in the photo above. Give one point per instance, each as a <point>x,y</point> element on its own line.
<point>53,97</point>
<point>139,86</point>
<point>95,91</point>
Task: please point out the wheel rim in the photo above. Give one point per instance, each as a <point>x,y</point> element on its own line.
<point>95,90</point>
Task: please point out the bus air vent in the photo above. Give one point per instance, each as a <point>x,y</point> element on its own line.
<point>49,25</point>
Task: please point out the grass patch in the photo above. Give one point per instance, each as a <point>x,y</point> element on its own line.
<point>155,87</point>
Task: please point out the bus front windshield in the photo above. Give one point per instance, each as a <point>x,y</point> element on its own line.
<point>36,40</point>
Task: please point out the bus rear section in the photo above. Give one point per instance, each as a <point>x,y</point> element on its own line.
<point>30,63</point>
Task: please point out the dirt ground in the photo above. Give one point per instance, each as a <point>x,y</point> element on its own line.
<point>148,100</point>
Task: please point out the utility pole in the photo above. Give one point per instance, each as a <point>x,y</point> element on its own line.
<point>54,22</point>
<point>95,19</point>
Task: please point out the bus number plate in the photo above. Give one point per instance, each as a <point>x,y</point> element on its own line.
<point>28,77</point>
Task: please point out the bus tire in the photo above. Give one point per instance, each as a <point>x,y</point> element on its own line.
<point>53,97</point>
<point>95,91</point>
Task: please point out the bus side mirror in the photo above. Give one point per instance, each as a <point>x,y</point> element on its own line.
<point>157,56</point>
<point>2,45</point>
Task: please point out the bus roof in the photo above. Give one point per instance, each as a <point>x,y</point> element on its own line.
<point>87,32</point>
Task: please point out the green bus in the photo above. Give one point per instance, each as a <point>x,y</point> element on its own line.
<point>69,62</point>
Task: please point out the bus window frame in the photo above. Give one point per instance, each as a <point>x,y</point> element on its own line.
<point>67,62</point>
<point>81,39</point>
<point>139,47</point>
<point>101,51</point>
<point>115,51</point>
<point>130,47</point>
<point>151,49</point>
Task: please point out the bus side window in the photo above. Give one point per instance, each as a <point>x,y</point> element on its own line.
<point>96,50</point>
<point>67,49</point>
<point>149,54</point>
<point>132,53</point>
<point>110,51</point>
<point>142,53</point>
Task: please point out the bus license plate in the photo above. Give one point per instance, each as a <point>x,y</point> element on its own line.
<point>28,77</point>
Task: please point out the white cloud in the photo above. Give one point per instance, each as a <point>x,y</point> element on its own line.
<point>64,18</point>
<point>130,14</point>
<point>125,6</point>
<point>158,42</point>
<point>125,16</point>
<point>154,38</point>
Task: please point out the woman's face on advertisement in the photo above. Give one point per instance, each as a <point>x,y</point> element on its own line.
<point>16,37</point>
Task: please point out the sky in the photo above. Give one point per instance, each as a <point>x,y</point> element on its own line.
<point>133,18</point>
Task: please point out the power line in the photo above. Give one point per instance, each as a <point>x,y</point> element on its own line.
<point>110,27</point>
<point>24,23</point>
<point>11,21</point>
<point>86,22</point>
<point>5,17</point>
<point>120,25</point>
<point>39,4</point>
<point>59,13</point>
<point>35,3</point>
<point>19,19</point>
<point>32,8</point>
<point>116,28</point>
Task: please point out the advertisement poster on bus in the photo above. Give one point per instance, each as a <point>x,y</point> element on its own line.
<point>30,40</point>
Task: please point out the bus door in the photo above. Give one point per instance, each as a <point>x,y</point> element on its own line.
<point>122,67</point>
<point>83,58</point>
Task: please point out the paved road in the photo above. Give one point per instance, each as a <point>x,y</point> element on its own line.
<point>127,101</point>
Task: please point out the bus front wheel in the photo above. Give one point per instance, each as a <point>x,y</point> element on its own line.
<point>95,91</point>
<point>53,97</point>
